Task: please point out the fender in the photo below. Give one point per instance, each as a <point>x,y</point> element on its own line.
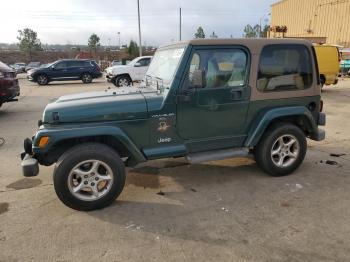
<point>263,120</point>
<point>63,133</point>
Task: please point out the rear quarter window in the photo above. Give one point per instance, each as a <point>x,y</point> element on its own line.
<point>284,68</point>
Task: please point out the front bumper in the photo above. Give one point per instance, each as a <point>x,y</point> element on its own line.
<point>30,165</point>
<point>109,77</point>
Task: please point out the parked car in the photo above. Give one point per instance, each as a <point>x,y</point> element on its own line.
<point>19,67</point>
<point>345,62</point>
<point>66,69</point>
<point>125,75</point>
<point>207,99</point>
<point>32,65</point>
<point>9,88</point>
<point>328,58</point>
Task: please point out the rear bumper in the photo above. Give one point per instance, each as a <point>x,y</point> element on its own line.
<point>98,75</point>
<point>319,134</point>
<point>9,89</point>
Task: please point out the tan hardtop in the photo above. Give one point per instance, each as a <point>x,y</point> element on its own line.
<point>255,45</point>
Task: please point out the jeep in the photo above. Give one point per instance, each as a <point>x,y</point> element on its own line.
<point>203,100</point>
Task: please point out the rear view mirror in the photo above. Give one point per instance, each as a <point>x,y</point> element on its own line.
<point>197,79</point>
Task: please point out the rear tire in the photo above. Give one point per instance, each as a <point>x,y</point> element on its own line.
<point>89,176</point>
<point>86,78</point>
<point>281,149</point>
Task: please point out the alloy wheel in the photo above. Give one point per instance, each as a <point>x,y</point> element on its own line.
<point>90,180</point>
<point>285,151</point>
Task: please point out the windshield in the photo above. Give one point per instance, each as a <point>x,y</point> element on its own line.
<point>163,67</point>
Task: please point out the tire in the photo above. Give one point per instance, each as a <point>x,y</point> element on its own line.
<point>122,81</point>
<point>42,80</point>
<point>274,156</point>
<point>86,78</point>
<point>108,177</point>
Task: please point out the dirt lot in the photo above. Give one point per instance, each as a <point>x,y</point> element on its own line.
<point>218,211</point>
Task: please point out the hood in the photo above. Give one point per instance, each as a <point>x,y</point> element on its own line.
<point>118,69</point>
<point>110,105</point>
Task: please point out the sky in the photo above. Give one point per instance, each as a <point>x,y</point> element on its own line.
<point>73,21</point>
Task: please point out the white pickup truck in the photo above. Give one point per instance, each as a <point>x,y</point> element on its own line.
<point>125,75</point>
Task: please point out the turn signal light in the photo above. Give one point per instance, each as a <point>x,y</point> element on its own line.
<point>44,140</point>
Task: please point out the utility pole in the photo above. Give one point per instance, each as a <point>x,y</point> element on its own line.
<point>180,23</point>
<point>140,43</point>
<point>119,39</point>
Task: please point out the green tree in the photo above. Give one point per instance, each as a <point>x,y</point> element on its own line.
<point>251,32</point>
<point>133,48</point>
<point>200,33</point>
<point>28,41</point>
<point>94,42</point>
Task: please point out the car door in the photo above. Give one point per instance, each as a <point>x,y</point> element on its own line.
<point>59,70</point>
<point>141,68</point>
<point>212,115</point>
<point>74,69</point>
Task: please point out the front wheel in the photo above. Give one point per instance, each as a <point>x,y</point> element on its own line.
<point>281,150</point>
<point>42,80</point>
<point>122,81</point>
<point>89,177</point>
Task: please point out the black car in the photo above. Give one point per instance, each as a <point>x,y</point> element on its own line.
<point>67,69</point>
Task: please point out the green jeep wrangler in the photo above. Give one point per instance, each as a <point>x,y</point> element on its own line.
<point>203,100</point>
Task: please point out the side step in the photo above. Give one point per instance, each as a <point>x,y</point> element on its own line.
<point>217,155</point>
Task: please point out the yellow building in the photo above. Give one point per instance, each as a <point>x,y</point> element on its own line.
<point>326,21</point>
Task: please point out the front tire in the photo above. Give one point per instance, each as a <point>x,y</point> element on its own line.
<point>42,80</point>
<point>281,149</point>
<point>89,177</point>
<point>122,81</point>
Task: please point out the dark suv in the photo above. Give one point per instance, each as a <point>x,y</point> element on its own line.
<point>9,87</point>
<point>67,69</point>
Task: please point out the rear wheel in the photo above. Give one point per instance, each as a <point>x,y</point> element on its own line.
<point>89,177</point>
<point>42,80</point>
<point>122,81</point>
<point>86,78</point>
<point>281,150</point>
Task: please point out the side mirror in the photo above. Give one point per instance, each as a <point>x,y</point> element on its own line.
<point>137,64</point>
<point>53,67</point>
<point>197,79</point>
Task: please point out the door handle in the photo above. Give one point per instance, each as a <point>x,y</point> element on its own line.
<point>236,94</point>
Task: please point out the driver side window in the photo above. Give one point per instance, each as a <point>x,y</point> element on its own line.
<point>219,68</point>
